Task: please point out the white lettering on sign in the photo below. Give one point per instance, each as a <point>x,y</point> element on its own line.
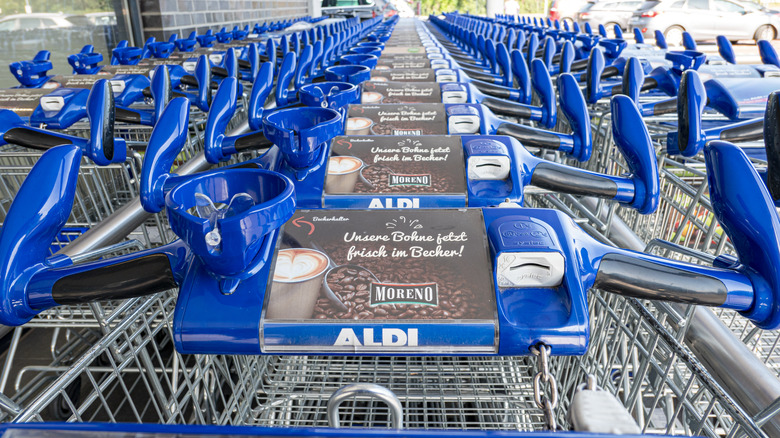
<point>390,337</point>
<point>395,203</point>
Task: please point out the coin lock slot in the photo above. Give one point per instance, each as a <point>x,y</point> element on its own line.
<point>117,86</point>
<point>529,269</point>
<point>487,159</point>
<point>463,119</point>
<point>446,75</point>
<point>454,93</point>
<point>52,103</point>
<point>438,64</point>
<point>189,66</point>
<point>463,124</point>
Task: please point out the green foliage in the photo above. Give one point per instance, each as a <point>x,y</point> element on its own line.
<point>476,7</point>
<point>67,6</point>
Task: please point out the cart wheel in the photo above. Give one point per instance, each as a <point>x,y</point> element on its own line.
<point>59,409</point>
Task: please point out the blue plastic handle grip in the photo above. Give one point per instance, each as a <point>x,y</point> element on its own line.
<point>168,138</point>
<point>40,209</point>
<point>261,89</point>
<point>726,50</point>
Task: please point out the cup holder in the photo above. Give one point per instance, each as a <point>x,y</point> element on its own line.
<point>224,215</point>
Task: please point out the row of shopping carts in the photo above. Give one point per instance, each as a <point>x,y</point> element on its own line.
<point>642,362</point>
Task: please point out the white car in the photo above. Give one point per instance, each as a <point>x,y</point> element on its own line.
<point>34,21</point>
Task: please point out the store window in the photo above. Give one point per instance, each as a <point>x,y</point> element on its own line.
<point>62,27</point>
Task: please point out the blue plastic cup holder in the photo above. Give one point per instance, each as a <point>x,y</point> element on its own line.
<point>685,60</point>
<point>240,237</point>
<point>369,61</point>
<point>612,46</point>
<point>366,51</point>
<point>333,95</point>
<point>300,132</point>
<point>354,74</point>
<point>376,44</point>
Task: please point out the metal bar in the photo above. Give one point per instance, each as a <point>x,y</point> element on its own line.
<point>753,386</point>
<point>131,215</point>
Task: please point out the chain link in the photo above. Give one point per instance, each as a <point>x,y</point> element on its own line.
<point>544,402</point>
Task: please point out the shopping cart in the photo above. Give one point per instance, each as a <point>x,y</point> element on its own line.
<point>131,373</point>
<point>684,227</point>
<point>75,330</point>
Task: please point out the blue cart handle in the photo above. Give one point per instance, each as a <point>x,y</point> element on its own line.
<point>578,144</point>
<point>86,61</point>
<point>691,137</point>
<point>101,146</point>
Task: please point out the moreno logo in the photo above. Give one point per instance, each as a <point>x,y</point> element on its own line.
<point>388,337</point>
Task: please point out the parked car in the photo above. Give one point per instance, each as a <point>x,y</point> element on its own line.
<point>37,21</point>
<point>566,10</point>
<point>102,18</point>
<point>352,8</point>
<point>705,20</point>
<point>609,13</point>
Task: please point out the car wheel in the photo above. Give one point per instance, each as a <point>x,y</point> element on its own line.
<point>674,36</point>
<point>611,29</point>
<point>765,32</point>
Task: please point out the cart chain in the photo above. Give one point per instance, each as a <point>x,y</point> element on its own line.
<point>543,402</point>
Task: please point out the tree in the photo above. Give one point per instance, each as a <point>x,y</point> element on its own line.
<point>476,7</point>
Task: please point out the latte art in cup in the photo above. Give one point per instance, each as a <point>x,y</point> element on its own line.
<point>299,264</point>
<point>297,280</point>
<point>371,97</point>
<point>343,173</point>
<point>343,165</point>
<point>358,126</point>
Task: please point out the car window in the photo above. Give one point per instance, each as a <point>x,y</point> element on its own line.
<point>678,4</point>
<point>601,6</point>
<point>725,6</point>
<point>48,22</point>
<point>29,23</point>
<point>8,25</point>
<point>648,5</point>
<point>79,20</point>
<point>698,4</point>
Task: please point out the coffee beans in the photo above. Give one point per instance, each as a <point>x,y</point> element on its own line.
<point>379,176</point>
<point>352,285</point>
<point>382,129</point>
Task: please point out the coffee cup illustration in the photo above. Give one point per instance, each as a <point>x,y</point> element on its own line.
<point>343,173</point>
<point>358,126</point>
<point>297,282</point>
<point>372,97</point>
